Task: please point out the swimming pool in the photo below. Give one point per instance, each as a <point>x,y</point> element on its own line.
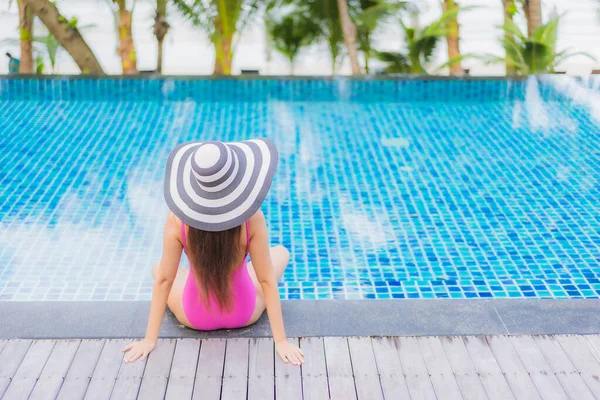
<point>385,189</point>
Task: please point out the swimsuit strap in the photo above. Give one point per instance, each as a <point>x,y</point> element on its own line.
<point>247,237</point>
<point>183,239</point>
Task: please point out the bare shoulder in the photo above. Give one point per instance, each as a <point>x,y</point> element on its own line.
<point>172,225</point>
<point>258,224</point>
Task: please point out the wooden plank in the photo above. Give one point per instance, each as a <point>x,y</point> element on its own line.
<point>488,369</point>
<point>30,369</point>
<point>12,355</point>
<point>515,373</point>
<point>53,374</point>
<point>80,373</point>
<point>440,372</point>
<point>183,370</point>
<point>415,370</point>
<point>156,374</point>
<point>593,343</point>
<point>129,378</point>
<point>364,368</point>
<point>288,381</point>
<point>235,375</point>
<point>107,368</point>
<point>538,369</point>
<point>464,371</point>
<point>562,368</point>
<point>314,371</point>
<point>391,374</point>
<point>261,369</point>
<point>583,360</point>
<point>339,368</point>
<point>209,373</point>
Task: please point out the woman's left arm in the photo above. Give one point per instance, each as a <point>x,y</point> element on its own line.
<point>163,281</point>
<point>261,261</point>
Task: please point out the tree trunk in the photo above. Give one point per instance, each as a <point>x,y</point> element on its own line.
<point>25,36</point>
<point>508,17</point>
<point>68,36</point>
<point>452,38</point>
<point>126,48</point>
<point>349,30</point>
<point>223,55</point>
<point>533,13</point>
<point>161,28</point>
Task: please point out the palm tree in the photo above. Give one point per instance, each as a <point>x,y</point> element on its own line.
<point>222,20</point>
<point>510,9</point>
<point>161,28</point>
<point>45,48</point>
<point>533,13</point>
<point>452,38</point>
<point>420,47</point>
<point>122,19</point>
<point>25,34</point>
<point>535,54</point>
<point>369,15</point>
<point>66,33</point>
<point>349,30</point>
<point>327,15</point>
<point>290,32</point>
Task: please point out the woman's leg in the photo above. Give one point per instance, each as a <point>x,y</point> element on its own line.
<point>176,294</point>
<point>280,257</point>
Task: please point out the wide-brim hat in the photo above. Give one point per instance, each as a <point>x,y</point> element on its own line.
<point>215,186</point>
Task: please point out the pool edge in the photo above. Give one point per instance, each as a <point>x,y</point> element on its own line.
<point>419,317</point>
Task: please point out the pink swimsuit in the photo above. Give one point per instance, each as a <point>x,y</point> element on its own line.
<point>243,295</point>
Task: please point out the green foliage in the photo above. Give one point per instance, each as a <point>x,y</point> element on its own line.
<point>39,65</point>
<point>49,46</point>
<point>512,8</point>
<point>45,46</point>
<point>24,34</point>
<point>420,46</point>
<point>535,54</point>
<point>368,15</point>
<point>219,18</point>
<point>396,63</point>
<point>73,22</point>
<point>294,30</point>
<point>325,13</point>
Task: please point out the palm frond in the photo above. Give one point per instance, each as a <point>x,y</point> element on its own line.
<point>513,29</point>
<point>546,33</point>
<point>197,13</point>
<point>456,60</point>
<point>566,54</point>
<point>447,17</point>
<point>397,63</point>
<point>249,11</point>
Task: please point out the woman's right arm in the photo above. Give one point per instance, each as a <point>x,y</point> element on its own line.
<point>163,281</point>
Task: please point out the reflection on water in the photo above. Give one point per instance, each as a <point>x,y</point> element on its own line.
<point>374,199</point>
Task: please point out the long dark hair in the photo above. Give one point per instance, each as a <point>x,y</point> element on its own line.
<point>213,258</point>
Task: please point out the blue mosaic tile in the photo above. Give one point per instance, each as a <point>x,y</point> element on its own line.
<point>385,189</point>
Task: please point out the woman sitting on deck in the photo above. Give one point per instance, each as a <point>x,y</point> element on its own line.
<point>214,191</point>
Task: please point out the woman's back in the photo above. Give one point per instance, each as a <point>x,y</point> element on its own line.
<point>242,295</point>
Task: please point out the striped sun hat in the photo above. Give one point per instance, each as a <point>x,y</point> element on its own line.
<point>215,186</point>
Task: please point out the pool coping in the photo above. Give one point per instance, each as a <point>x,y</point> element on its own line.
<point>406,317</point>
<point>365,78</point>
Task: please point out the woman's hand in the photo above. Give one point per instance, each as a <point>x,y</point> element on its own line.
<point>290,353</point>
<point>138,350</point>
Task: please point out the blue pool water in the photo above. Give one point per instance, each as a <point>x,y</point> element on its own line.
<point>385,189</point>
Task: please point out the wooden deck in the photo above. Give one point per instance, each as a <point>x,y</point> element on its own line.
<point>470,367</point>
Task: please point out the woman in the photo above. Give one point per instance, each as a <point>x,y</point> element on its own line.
<point>214,191</point>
